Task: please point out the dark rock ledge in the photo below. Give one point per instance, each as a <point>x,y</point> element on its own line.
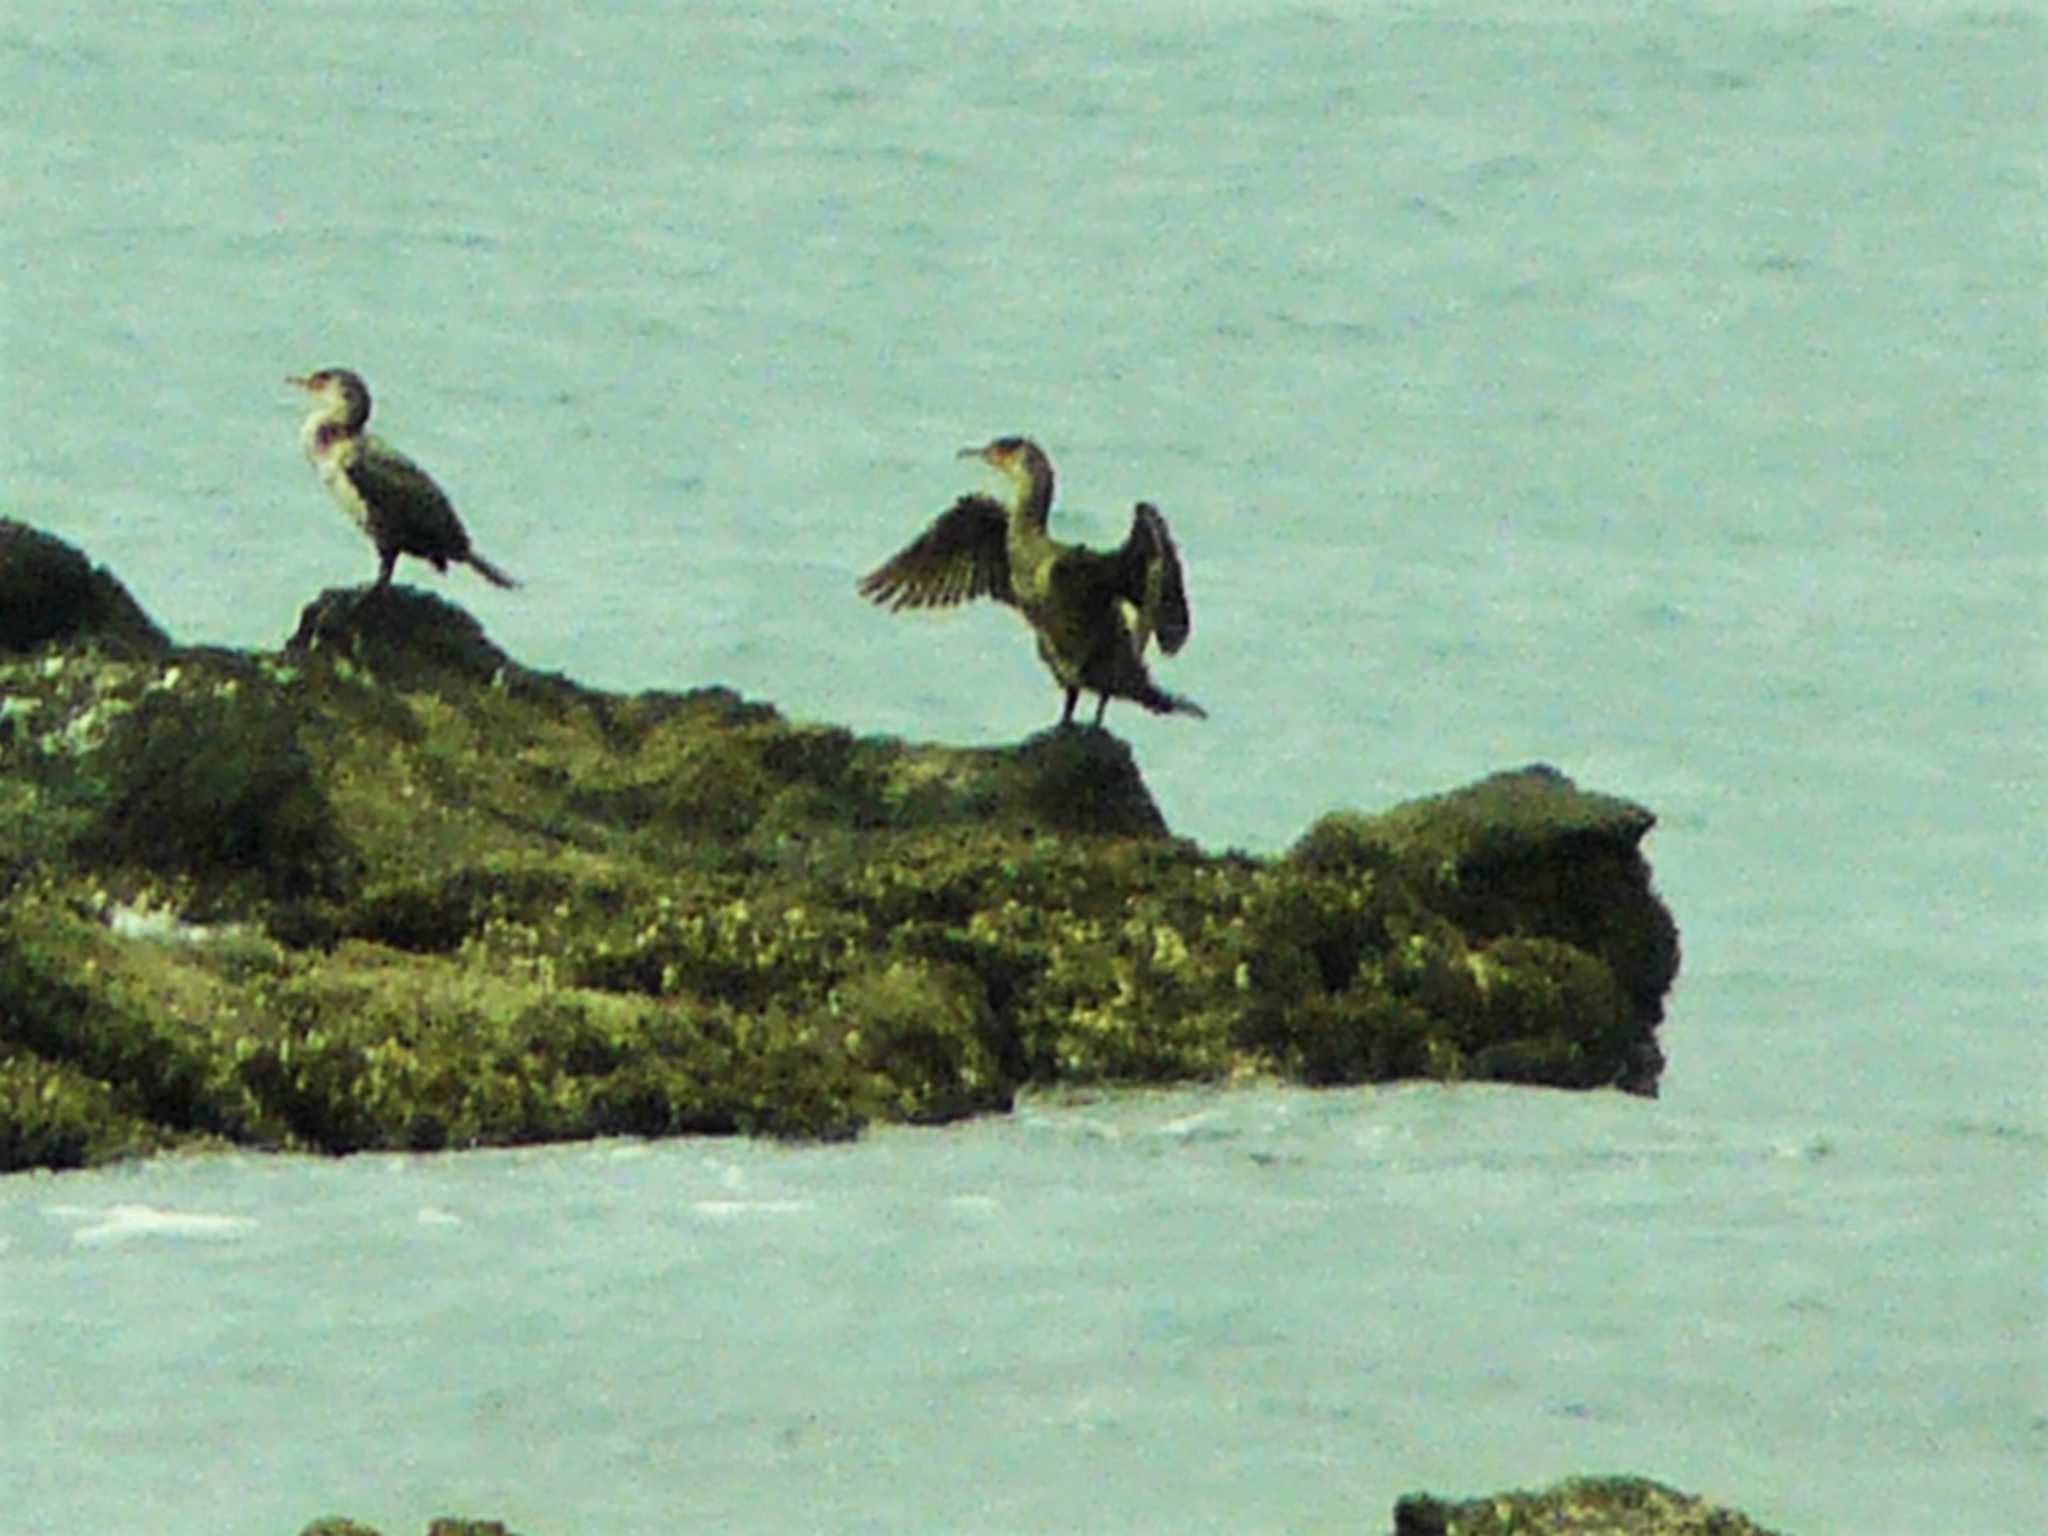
<point>1579,1506</point>
<point>387,888</point>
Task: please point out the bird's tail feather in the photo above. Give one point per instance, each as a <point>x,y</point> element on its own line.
<point>488,571</point>
<point>1160,702</point>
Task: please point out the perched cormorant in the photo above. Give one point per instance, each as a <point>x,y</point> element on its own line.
<point>384,493</point>
<point>1093,611</point>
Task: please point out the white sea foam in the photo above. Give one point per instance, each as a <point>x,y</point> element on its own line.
<point>109,1224</point>
<point>728,1209</point>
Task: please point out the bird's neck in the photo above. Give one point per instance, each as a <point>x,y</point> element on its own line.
<point>329,428</point>
<point>1033,502</point>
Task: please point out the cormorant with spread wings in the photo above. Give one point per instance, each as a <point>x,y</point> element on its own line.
<point>1094,611</point>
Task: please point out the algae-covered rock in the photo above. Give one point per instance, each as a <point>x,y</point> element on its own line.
<point>410,639</point>
<point>1537,875</point>
<point>205,776</point>
<point>1579,1506</point>
<point>50,594</point>
<point>56,1115</point>
<point>390,889</point>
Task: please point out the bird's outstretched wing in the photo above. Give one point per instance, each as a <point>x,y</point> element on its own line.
<point>405,494</point>
<point>964,554</point>
<point>1147,575</point>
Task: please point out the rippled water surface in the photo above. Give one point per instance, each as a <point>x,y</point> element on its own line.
<point>1656,392</point>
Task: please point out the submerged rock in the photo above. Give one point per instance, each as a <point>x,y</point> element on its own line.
<point>1579,1506</point>
<point>389,888</point>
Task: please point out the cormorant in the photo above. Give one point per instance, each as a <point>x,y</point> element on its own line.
<point>384,493</point>
<point>1093,611</point>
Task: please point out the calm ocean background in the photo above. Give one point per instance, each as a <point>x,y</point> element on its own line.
<point>1654,390</point>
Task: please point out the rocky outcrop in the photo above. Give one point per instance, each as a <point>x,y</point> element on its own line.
<point>1579,1506</point>
<point>388,888</point>
<point>49,592</point>
<point>1543,881</point>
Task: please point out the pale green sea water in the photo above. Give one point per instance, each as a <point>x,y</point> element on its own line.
<point>1657,392</point>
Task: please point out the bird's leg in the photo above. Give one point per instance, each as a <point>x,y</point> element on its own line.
<point>1101,709</point>
<point>386,559</point>
<point>1067,714</point>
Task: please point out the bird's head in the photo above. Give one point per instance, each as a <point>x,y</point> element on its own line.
<point>341,391</point>
<point>1017,459</point>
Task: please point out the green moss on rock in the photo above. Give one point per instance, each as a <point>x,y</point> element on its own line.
<point>1527,854</point>
<point>205,777</point>
<point>390,889</point>
<point>923,1032</point>
<point>54,1115</point>
<point>1578,1506</point>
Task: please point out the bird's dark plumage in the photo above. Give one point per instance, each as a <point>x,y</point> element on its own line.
<point>1093,611</point>
<point>962,555</point>
<point>384,493</point>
